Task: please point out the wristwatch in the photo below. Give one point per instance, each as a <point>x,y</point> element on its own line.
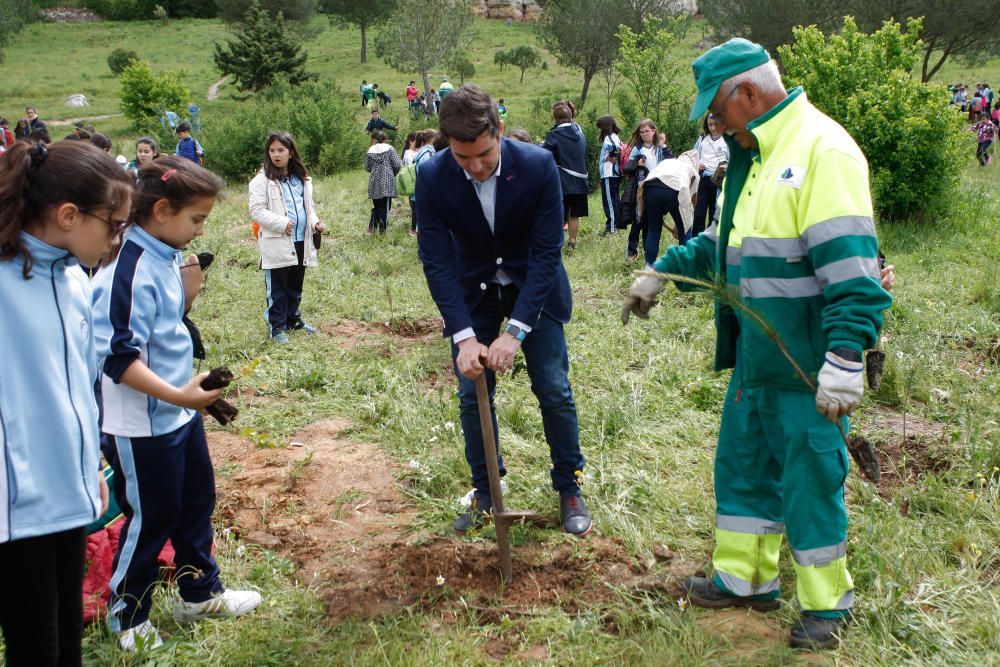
<point>517,332</point>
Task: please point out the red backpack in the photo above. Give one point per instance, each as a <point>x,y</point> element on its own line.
<point>623,156</point>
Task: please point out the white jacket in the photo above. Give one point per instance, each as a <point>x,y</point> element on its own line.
<point>681,174</point>
<point>267,208</point>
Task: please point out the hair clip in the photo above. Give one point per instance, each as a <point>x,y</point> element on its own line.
<point>167,174</point>
<point>38,153</point>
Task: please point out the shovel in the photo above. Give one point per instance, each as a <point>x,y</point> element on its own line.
<point>502,518</point>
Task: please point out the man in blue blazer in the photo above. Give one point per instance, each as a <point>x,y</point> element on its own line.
<point>490,240</point>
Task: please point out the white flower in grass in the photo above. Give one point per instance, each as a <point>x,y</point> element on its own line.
<point>440,580</point>
<point>450,426</point>
<point>414,463</point>
<point>682,604</point>
<point>433,439</point>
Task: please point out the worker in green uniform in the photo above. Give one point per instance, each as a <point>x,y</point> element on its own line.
<point>795,243</point>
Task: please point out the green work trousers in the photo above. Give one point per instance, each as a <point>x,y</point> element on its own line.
<point>780,468</point>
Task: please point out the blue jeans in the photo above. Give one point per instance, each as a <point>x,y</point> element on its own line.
<point>548,367</point>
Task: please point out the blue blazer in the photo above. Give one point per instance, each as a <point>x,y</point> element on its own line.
<point>461,255</point>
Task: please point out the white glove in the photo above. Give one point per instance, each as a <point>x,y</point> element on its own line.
<point>841,385</point>
<point>642,296</point>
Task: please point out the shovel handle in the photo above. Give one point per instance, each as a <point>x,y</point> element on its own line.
<point>489,442</point>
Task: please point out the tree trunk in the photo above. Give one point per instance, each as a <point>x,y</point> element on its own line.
<point>925,75</point>
<point>522,75</point>
<point>427,92</point>
<point>587,76</point>
<point>364,45</point>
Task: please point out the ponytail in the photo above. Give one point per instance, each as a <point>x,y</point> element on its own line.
<point>178,180</point>
<point>35,177</point>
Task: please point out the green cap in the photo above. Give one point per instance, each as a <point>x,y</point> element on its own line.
<point>718,64</point>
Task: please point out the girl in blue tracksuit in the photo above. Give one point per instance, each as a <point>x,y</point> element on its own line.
<point>155,440</point>
<point>609,167</point>
<point>58,206</point>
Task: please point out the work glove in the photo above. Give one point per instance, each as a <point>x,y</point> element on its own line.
<point>841,385</point>
<point>642,296</point>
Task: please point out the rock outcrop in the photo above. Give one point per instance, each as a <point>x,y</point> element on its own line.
<point>517,10</point>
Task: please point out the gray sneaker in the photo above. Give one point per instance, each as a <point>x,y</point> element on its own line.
<point>280,338</point>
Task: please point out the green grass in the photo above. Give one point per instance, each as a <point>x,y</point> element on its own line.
<point>926,560</point>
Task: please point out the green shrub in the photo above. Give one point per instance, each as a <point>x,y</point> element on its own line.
<point>145,95</point>
<point>911,137</point>
<point>325,126</point>
<point>120,59</point>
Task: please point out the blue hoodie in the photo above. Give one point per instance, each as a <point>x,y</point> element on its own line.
<point>138,307</point>
<point>48,416</point>
<point>569,148</point>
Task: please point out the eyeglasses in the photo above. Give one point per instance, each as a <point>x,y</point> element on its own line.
<point>719,111</point>
<point>118,227</point>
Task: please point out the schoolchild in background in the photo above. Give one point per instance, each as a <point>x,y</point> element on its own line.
<point>713,154</point>
<point>187,146</point>
<point>610,169</point>
<point>424,145</point>
<point>382,163</point>
<point>155,438</point>
<point>146,150</point>
<point>569,147</point>
<point>58,206</point>
<point>281,202</point>
<point>646,149</point>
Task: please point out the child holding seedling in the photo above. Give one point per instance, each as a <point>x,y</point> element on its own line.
<point>58,206</point>
<point>156,444</point>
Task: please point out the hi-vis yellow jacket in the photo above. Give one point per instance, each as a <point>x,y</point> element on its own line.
<point>797,243</point>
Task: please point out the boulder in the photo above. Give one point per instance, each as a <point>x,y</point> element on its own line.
<point>516,10</point>
<point>77,100</point>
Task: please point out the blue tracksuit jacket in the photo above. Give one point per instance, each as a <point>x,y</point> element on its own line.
<point>138,306</point>
<point>48,416</point>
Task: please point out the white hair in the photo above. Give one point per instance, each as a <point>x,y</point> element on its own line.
<point>764,78</point>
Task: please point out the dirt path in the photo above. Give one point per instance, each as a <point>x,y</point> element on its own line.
<point>70,121</point>
<point>213,90</point>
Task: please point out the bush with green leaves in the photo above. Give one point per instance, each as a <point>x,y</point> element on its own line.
<point>143,10</point>
<point>119,59</point>
<point>145,95</point>
<point>912,138</point>
<point>323,122</point>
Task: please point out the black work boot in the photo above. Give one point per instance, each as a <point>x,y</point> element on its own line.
<point>575,517</point>
<point>475,517</point>
<point>703,592</point>
<point>813,632</point>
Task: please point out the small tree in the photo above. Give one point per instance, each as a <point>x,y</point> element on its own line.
<point>523,57</point>
<point>144,94</point>
<point>363,13</point>
<point>646,59</point>
<point>583,34</point>
<point>911,137</point>
<point>500,58</point>
<point>423,34</point>
<point>119,59</point>
<point>262,48</point>
<point>459,65</point>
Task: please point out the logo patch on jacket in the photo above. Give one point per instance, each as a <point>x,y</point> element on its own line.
<point>792,175</point>
<point>85,329</point>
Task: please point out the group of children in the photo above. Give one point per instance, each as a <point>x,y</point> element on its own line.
<point>416,101</point>
<point>101,365</point>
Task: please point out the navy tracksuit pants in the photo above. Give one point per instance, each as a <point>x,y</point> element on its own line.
<point>165,487</point>
<point>284,294</point>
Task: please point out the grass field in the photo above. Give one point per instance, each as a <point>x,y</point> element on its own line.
<point>924,546</point>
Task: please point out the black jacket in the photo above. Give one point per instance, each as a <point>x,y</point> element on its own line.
<point>378,124</point>
<point>568,146</point>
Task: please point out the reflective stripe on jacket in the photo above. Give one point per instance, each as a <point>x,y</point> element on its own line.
<point>798,243</point>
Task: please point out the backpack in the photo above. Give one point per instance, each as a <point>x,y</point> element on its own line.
<point>406,181</point>
<point>624,153</point>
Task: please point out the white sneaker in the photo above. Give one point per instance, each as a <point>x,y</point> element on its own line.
<point>225,604</point>
<point>142,637</point>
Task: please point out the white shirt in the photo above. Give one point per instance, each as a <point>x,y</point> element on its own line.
<point>487,193</point>
<point>711,152</point>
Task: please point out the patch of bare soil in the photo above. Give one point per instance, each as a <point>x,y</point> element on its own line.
<point>907,451</point>
<point>401,332</point>
<point>746,630</point>
<point>334,508</point>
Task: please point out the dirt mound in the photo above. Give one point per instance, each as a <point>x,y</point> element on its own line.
<point>399,332</point>
<point>334,508</point>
